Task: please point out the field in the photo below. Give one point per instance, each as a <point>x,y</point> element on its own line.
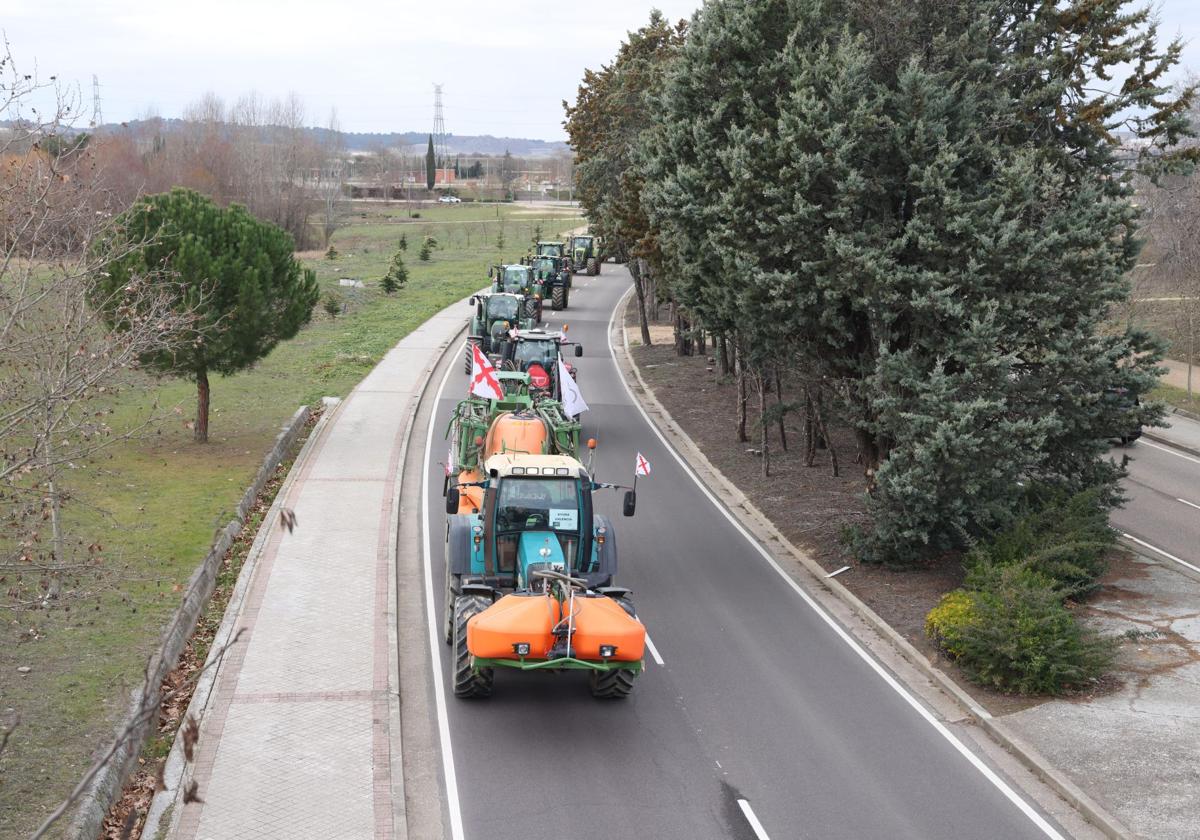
<point>154,503</point>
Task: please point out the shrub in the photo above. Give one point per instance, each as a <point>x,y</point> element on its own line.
<point>396,277</point>
<point>332,304</point>
<point>332,253</point>
<point>404,242</point>
<point>945,623</point>
<point>424,254</point>
<point>1064,537</point>
<point>1021,638</point>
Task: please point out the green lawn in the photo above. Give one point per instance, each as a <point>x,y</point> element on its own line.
<point>155,503</point>
<point>1177,397</point>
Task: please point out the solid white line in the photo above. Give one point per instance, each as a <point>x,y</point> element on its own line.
<point>653,650</point>
<point>435,639</point>
<point>938,726</point>
<point>1158,550</point>
<point>1186,502</point>
<point>759,831</point>
<point>1169,451</point>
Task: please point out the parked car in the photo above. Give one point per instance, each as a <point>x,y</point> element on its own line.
<point>450,199</point>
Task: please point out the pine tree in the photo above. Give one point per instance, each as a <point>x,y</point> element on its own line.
<point>237,272</point>
<point>942,247</point>
<point>403,242</point>
<point>396,276</point>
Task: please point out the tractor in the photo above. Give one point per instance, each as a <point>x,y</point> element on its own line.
<point>555,278</point>
<point>529,577</point>
<point>536,352</point>
<point>495,315</point>
<point>585,254</point>
<point>546,248</point>
<point>520,280</point>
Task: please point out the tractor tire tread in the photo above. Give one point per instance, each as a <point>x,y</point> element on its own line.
<point>468,683</point>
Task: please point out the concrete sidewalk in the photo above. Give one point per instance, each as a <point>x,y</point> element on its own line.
<point>1179,431</point>
<point>300,736</point>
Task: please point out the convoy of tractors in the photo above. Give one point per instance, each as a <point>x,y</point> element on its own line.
<point>530,566</point>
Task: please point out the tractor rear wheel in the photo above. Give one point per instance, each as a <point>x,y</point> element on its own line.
<point>612,685</point>
<point>593,266</point>
<point>558,298</point>
<point>470,356</point>
<point>531,309</point>
<point>468,682</point>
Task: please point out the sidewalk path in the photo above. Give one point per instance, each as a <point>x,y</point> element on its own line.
<point>301,736</point>
<point>1179,431</point>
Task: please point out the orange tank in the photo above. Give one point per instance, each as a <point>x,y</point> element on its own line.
<point>518,432</point>
<point>512,619</point>
<point>470,499</point>
<point>601,621</point>
<point>531,618</point>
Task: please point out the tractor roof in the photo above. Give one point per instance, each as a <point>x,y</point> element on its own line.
<point>521,463</point>
<point>538,334</point>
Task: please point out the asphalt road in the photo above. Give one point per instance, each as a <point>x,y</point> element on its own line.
<point>1162,508</point>
<point>760,709</point>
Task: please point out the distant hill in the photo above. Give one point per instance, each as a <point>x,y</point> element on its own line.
<point>457,144</point>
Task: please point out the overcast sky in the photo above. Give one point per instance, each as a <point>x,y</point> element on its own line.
<point>506,65</point>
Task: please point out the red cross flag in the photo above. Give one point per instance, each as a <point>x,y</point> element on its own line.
<point>642,466</point>
<point>483,376</point>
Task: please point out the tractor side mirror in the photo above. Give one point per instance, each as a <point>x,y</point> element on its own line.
<point>491,272</point>
<point>628,509</point>
<point>578,350</point>
<point>452,501</point>
<point>472,301</point>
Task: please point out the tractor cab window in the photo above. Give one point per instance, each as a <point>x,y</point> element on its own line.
<point>544,353</point>
<point>544,267</point>
<point>538,504</point>
<point>502,308</point>
<point>515,276</point>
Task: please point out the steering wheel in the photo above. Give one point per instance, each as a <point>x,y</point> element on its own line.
<point>535,518</point>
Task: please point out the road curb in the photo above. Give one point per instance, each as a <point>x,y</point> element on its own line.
<point>1166,441</point>
<point>816,583</point>
<point>175,771</point>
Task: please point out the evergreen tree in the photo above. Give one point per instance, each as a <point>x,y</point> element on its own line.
<point>403,242</point>
<point>396,276</point>
<point>941,246</point>
<point>430,166</point>
<point>237,272</point>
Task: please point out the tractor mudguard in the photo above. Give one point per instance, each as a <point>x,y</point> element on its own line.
<point>617,592</point>
<point>606,554</point>
<point>478,589</point>
<point>458,544</point>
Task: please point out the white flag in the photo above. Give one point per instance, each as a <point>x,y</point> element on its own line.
<point>572,400</point>
<point>483,376</point>
<point>450,461</point>
<point>641,466</point>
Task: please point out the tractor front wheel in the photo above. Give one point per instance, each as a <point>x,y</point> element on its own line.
<point>467,681</point>
<point>558,299</point>
<point>593,266</point>
<point>612,685</point>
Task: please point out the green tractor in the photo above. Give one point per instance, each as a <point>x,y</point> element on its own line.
<point>496,314</point>
<point>585,254</point>
<point>519,280</point>
<point>554,275</point>
<point>535,352</point>
<point>548,248</point>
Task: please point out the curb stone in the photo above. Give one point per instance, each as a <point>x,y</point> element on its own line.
<point>162,806</point>
<point>1166,441</point>
<point>769,536</point>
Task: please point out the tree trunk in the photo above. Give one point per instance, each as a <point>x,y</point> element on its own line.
<point>761,380</point>
<point>682,328</point>
<point>725,353</point>
<point>701,343</point>
<point>779,402</point>
<point>810,430</point>
<point>639,286</point>
<point>740,367</point>
<point>820,420</point>
<point>202,406</point>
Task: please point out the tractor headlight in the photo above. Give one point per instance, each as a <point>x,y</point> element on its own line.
<point>608,651</point>
<point>521,648</point>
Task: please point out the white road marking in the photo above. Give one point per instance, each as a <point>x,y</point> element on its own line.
<point>653,650</point>
<point>1186,502</point>
<point>1158,550</point>
<point>1169,451</point>
<point>759,831</point>
<point>435,639</point>
<point>1001,785</point>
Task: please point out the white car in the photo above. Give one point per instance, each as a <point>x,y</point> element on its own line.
<point>450,199</point>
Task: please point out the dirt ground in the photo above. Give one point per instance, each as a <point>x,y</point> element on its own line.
<point>811,506</point>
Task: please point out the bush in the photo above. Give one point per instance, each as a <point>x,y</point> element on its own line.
<point>1019,637</point>
<point>944,624</point>
<point>396,277</point>
<point>424,254</point>
<point>332,253</point>
<point>1063,537</point>
<point>332,304</point>
<point>404,242</point>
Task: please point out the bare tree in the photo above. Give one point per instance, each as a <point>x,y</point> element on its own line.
<point>60,368</point>
<point>331,184</point>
